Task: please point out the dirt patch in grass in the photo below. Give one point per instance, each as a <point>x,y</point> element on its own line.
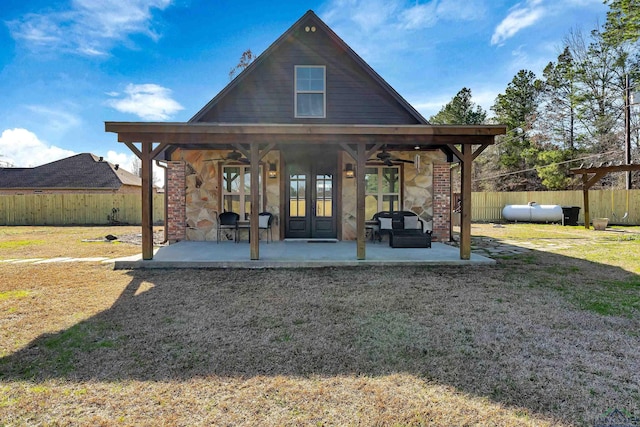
<point>504,345</point>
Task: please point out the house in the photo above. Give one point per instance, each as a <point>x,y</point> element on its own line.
<point>312,134</point>
<point>82,173</point>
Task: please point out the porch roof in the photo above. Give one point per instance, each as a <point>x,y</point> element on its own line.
<point>199,134</point>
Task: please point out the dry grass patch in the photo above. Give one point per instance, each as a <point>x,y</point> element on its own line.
<point>399,400</point>
<point>54,242</point>
<point>504,345</point>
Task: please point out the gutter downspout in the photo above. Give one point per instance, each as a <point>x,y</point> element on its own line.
<point>166,205</point>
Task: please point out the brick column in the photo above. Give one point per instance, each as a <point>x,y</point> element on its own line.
<point>176,201</point>
<point>441,202</point>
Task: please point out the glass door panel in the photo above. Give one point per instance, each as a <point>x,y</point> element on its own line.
<point>297,195</point>
<point>324,195</point>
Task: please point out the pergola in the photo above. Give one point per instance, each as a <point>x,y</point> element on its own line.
<point>256,140</point>
<point>591,175</point>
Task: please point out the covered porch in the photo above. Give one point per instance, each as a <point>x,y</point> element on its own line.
<point>460,144</point>
<point>297,254</point>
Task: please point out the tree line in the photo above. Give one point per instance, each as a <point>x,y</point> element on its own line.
<point>573,113</point>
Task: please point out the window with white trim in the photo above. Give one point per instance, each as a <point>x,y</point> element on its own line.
<point>236,190</point>
<point>310,88</point>
<point>382,189</point>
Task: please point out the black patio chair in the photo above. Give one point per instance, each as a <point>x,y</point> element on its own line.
<point>265,219</point>
<point>228,222</point>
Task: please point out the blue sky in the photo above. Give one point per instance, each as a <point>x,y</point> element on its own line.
<point>66,67</point>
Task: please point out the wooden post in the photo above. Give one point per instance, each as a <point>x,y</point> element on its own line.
<point>255,202</point>
<point>360,201</point>
<point>147,201</point>
<point>465,217</point>
<point>585,199</point>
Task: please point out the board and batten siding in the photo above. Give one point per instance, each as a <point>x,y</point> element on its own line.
<point>266,95</point>
<point>75,209</point>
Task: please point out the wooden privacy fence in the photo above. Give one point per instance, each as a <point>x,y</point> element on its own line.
<point>76,209</point>
<point>612,204</point>
<point>90,209</point>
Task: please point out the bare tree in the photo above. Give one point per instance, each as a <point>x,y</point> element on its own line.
<point>246,59</point>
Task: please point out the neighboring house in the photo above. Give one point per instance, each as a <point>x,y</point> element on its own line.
<point>312,134</point>
<point>82,174</point>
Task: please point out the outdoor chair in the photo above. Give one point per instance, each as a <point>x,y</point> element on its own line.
<point>228,222</point>
<point>404,228</point>
<point>384,219</point>
<point>265,219</point>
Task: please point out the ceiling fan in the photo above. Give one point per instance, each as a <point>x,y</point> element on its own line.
<point>385,157</point>
<point>234,156</point>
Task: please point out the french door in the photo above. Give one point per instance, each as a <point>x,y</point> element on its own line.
<point>311,196</point>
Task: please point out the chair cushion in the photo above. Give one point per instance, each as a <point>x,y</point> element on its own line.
<point>385,223</point>
<point>263,221</point>
<point>410,222</point>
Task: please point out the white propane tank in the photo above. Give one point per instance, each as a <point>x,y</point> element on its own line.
<point>533,212</point>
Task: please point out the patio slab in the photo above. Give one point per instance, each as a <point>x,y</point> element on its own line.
<point>295,255</point>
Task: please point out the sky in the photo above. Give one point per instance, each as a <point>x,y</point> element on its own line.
<point>66,67</point>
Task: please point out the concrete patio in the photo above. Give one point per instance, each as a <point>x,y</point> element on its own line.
<point>296,254</point>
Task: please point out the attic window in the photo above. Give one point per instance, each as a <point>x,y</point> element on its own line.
<point>310,98</point>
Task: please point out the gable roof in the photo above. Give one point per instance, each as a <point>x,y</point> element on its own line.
<point>82,171</point>
<point>310,18</point>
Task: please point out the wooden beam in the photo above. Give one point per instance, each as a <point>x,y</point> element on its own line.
<point>166,128</point>
<point>133,148</point>
<point>255,202</point>
<point>605,169</point>
<point>465,217</point>
<point>213,140</point>
<point>353,153</point>
<point>268,148</point>
<point>590,182</point>
<point>147,201</point>
<point>158,149</point>
<point>455,151</point>
<point>479,150</point>
<point>360,201</point>
<point>243,150</point>
<point>373,150</point>
<point>585,200</point>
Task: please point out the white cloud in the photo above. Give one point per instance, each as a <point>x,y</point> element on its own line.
<point>147,101</point>
<point>22,148</point>
<point>376,28</point>
<point>418,16</point>
<point>520,16</point>
<point>123,159</point>
<point>87,27</point>
<point>56,120</point>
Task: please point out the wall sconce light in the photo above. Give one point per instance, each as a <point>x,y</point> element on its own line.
<point>273,171</point>
<point>349,172</point>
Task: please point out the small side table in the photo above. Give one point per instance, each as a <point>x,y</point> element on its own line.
<point>243,225</point>
<point>372,230</point>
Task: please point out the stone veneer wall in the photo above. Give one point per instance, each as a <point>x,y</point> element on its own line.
<point>175,195</point>
<point>418,193</point>
<point>200,193</point>
<point>193,194</point>
<point>441,202</point>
